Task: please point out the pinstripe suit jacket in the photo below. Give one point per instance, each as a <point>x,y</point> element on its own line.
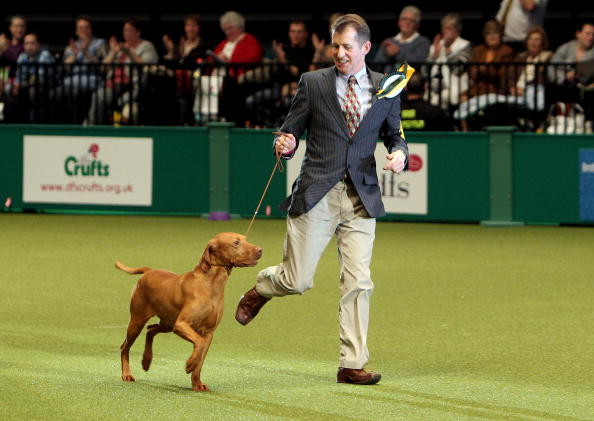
<point>331,153</point>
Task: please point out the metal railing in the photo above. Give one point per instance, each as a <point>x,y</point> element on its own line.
<point>533,97</point>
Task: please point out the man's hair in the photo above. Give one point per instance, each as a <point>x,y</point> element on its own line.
<point>413,9</point>
<point>299,22</point>
<point>12,18</point>
<point>354,21</point>
<point>452,19</point>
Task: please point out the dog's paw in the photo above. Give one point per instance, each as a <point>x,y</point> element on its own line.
<point>200,387</point>
<point>128,378</point>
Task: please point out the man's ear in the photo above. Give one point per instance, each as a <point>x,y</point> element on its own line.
<point>366,47</point>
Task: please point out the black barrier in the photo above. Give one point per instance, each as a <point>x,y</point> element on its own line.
<point>534,97</point>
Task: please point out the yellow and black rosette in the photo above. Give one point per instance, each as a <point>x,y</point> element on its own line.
<point>393,83</point>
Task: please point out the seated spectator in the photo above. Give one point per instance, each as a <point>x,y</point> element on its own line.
<point>34,78</point>
<point>575,51</point>
<point>489,77</point>
<point>84,54</point>
<point>418,114</point>
<point>447,54</point>
<point>517,18</point>
<point>123,80</point>
<point>488,83</point>
<point>408,45</point>
<point>235,51</point>
<point>323,56</point>
<point>190,49</point>
<point>267,106</point>
<point>527,79</point>
<point>11,48</point>
<point>570,82</point>
<point>184,58</point>
<point>238,45</point>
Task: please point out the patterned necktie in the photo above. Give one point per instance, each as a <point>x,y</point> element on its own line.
<point>352,107</point>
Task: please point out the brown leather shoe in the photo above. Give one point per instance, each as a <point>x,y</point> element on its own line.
<point>249,305</point>
<point>356,376</point>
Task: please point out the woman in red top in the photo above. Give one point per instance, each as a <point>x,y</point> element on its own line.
<point>238,46</point>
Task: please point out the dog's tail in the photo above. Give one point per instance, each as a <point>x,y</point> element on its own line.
<point>132,271</point>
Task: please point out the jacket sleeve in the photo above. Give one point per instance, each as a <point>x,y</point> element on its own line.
<point>299,113</point>
<point>390,132</point>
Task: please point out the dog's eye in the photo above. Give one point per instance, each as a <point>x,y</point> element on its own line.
<point>236,242</point>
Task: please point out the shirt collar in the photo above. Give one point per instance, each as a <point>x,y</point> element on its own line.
<point>360,74</point>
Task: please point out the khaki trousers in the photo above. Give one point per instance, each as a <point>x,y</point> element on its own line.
<point>340,212</point>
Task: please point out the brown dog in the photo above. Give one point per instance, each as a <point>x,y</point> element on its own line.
<point>190,305</point>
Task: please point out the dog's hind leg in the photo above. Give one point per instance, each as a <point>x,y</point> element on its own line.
<point>152,331</point>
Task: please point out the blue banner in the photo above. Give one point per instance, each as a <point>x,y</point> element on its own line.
<point>586,169</point>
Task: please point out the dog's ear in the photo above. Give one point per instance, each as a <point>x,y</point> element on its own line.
<point>205,262</point>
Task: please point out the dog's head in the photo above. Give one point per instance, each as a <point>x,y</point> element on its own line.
<point>229,249</point>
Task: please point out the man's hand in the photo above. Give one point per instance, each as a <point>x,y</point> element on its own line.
<point>391,48</point>
<point>285,143</point>
<point>395,162</point>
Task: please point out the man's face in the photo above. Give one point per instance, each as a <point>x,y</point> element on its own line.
<point>585,36</point>
<point>17,28</point>
<point>407,23</point>
<point>297,34</point>
<point>83,29</point>
<point>31,45</point>
<point>348,52</point>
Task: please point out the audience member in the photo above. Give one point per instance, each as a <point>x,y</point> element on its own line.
<point>323,55</point>
<point>517,17</point>
<point>418,114</point>
<point>184,58</point>
<point>408,45</point>
<point>122,80</point>
<point>34,79</point>
<point>266,107</point>
<point>237,47</point>
<point>575,51</point>
<point>191,49</point>
<point>447,54</point>
<point>11,48</point>
<point>86,49</point>
<point>530,75</point>
<point>489,77</point>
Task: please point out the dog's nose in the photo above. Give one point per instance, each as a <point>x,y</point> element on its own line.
<point>259,252</point>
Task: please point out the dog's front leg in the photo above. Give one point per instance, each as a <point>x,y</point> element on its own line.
<point>196,382</point>
<point>184,330</point>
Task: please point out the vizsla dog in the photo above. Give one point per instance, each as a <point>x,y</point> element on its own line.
<point>190,305</point>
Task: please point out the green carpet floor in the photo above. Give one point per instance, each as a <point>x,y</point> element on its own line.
<point>467,323</point>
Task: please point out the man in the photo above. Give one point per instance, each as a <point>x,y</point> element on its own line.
<point>408,44</point>
<point>267,107</point>
<point>518,17</point>
<point>578,50</point>
<point>418,114</point>
<point>337,190</point>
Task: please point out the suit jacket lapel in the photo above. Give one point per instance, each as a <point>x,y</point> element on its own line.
<point>328,91</point>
